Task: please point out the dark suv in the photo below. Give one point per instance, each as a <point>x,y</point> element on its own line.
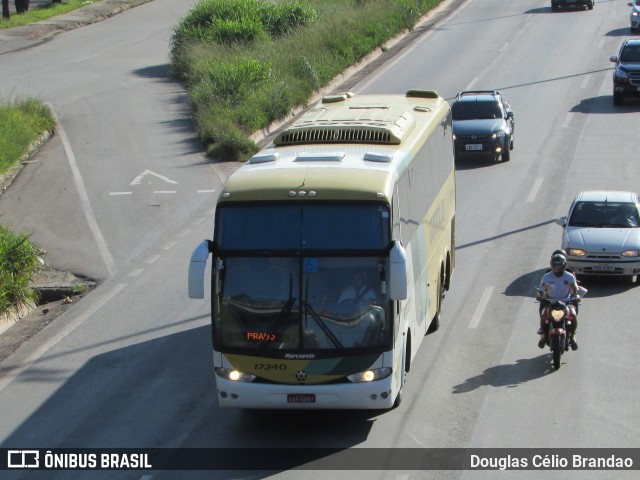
<point>626,76</point>
<point>556,4</point>
<point>483,125</point>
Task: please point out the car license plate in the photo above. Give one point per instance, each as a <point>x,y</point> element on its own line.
<point>301,398</point>
<point>603,268</point>
<point>474,146</point>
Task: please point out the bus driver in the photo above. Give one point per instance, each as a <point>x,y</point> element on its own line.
<point>358,291</point>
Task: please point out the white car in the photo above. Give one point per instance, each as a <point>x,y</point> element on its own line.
<point>635,15</point>
<point>602,233</point>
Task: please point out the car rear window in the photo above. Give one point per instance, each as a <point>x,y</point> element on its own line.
<point>475,110</point>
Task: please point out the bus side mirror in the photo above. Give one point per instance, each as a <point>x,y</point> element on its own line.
<point>398,272</point>
<point>197,266</point>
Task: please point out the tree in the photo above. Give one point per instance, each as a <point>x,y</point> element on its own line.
<point>22,6</point>
<point>5,9</point>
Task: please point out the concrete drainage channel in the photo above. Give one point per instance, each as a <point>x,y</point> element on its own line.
<point>57,290</point>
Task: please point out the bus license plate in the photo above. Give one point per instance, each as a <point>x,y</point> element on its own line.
<point>301,398</point>
<point>474,146</point>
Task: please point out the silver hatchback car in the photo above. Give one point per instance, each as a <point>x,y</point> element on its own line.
<point>602,233</point>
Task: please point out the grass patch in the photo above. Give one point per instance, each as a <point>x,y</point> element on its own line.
<point>19,263</point>
<point>247,63</point>
<point>43,12</point>
<point>23,121</point>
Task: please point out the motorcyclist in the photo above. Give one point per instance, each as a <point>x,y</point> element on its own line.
<point>559,284</point>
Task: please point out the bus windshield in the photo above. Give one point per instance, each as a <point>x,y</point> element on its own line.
<point>305,226</point>
<point>301,303</point>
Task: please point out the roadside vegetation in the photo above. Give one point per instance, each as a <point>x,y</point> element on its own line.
<point>23,122</point>
<point>39,12</point>
<point>247,64</point>
<point>19,263</point>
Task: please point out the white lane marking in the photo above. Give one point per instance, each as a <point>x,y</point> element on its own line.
<point>87,58</point>
<point>164,191</point>
<point>138,179</point>
<point>534,190</point>
<point>12,374</point>
<point>169,245</point>
<point>567,120</point>
<point>184,233</point>
<point>482,305</point>
<point>206,191</point>
<point>585,81</point>
<point>152,259</point>
<point>504,47</point>
<point>120,193</point>
<point>471,84</point>
<point>84,197</point>
<point>135,272</point>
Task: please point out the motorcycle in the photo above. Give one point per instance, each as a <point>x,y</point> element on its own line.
<point>559,319</point>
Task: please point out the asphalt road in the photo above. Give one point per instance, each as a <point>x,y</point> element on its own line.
<point>130,365</point>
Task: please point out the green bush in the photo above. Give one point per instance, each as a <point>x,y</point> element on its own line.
<point>19,263</point>
<point>223,81</point>
<point>228,22</point>
<point>248,63</point>
<point>22,123</point>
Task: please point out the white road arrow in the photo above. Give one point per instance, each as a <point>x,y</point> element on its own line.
<point>138,179</point>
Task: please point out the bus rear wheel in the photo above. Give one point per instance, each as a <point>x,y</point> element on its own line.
<point>435,321</point>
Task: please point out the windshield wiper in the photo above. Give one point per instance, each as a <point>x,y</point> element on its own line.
<point>284,313</point>
<point>308,310</point>
<point>323,326</point>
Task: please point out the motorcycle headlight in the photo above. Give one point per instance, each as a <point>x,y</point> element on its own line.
<point>621,73</point>
<point>370,375</point>
<point>576,252</point>
<point>631,253</point>
<point>557,314</point>
<point>234,375</point>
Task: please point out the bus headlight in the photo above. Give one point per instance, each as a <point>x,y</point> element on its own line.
<point>234,375</point>
<point>370,375</point>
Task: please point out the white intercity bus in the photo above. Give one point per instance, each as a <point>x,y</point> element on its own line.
<point>332,249</point>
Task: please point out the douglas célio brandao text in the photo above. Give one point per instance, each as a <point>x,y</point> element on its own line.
<point>549,461</point>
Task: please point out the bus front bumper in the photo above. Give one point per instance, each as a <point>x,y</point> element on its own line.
<point>373,395</point>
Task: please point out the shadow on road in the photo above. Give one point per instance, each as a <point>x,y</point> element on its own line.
<point>510,376</point>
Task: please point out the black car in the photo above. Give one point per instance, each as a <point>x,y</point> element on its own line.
<point>626,76</point>
<point>483,125</point>
<point>556,4</point>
